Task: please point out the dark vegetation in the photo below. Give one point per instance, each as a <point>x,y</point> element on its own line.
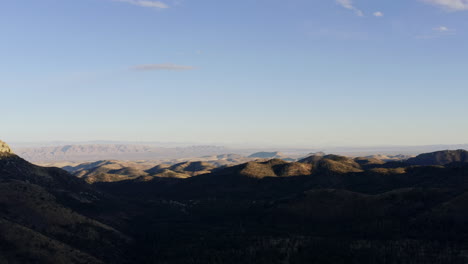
<point>323,209</point>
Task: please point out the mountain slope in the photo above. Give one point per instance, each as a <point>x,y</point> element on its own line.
<point>41,204</point>
<point>440,158</point>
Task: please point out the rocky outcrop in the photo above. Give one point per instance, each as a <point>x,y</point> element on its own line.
<point>4,148</point>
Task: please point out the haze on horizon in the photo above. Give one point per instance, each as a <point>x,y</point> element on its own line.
<point>294,73</point>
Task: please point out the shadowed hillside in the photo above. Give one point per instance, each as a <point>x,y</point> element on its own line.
<point>40,219</point>
<point>440,158</point>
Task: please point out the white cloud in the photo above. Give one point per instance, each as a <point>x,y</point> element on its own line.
<point>145,3</point>
<point>378,14</point>
<point>453,5</point>
<point>162,67</point>
<point>441,29</point>
<point>348,4</point>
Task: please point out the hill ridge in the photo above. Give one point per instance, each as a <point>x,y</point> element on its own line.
<point>443,157</point>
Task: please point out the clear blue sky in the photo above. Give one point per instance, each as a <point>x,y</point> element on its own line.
<point>266,72</point>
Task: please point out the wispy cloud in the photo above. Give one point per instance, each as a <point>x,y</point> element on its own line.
<point>348,4</point>
<point>145,3</point>
<point>378,14</point>
<point>339,34</point>
<point>452,5</point>
<point>438,32</point>
<point>162,67</point>
<point>442,29</point>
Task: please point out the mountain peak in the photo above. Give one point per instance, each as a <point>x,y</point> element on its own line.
<point>4,148</point>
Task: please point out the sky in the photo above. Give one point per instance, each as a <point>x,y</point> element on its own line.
<point>265,72</point>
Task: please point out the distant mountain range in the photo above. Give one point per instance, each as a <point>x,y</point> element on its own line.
<point>114,151</point>
<point>323,208</point>
<point>49,154</point>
